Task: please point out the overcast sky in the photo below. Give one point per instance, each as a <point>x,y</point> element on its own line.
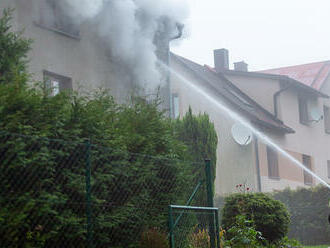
<point>263,33</point>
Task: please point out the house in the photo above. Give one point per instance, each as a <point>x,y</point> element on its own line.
<point>297,96</point>
<point>236,163</point>
<point>67,54</point>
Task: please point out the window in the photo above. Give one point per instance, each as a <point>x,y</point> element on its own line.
<point>54,17</point>
<point>326,111</point>
<point>303,110</point>
<point>56,83</point>
<point>176,106</point>
<point>307,162</point>
<point>273,171</point>
<point>328,163</point>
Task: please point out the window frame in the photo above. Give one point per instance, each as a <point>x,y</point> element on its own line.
<point>65,83</point>
<point>326,119</point>
<point>272,162</point>
<point>328,167</point>
<point>303,110</point>
<point>308,179</point>
<point>176,114</point>
<point>54,9</point>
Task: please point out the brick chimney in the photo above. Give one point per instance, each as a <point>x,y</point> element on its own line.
<point>240,66</point>
<point>221,59</point>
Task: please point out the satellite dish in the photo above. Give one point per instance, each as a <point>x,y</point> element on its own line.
<point>316,115</point>
<point>241,134</point>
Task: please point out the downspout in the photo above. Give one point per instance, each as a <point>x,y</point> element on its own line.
<point>180,31</point>
<point>256,148</point>
<point>275,98</point>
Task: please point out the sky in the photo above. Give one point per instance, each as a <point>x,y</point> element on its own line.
<point>264,33</point>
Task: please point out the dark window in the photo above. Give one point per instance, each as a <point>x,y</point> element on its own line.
<point>326,119</point>
<point>273,171</point>
<point>303,110</point>
<point>54,16</point>
<point>307,162</point>
<point>56,83</point>
<point>328,163</point>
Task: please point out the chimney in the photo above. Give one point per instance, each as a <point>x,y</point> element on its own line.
<point>240,66</point>
<point>221,60</point>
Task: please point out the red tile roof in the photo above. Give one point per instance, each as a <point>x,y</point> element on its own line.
<point>313,74</point>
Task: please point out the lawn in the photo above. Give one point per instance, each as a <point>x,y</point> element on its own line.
<point>317,246</point>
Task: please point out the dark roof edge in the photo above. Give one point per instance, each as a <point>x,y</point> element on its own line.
<point>256,120</point>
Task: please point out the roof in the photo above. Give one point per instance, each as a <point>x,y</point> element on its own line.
<point>233,95</point>
<point>313,74</point>
<point>283,78</point>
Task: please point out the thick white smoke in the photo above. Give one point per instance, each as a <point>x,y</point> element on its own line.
<point>129,28</point>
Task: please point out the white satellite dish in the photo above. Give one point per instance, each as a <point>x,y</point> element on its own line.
<point>241,134</point>
<point>316,115</point>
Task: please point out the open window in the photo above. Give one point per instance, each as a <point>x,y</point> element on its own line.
<point>54,16</point>
<point>56,83</point>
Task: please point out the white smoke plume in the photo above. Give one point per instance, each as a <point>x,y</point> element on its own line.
<point>129,28</point>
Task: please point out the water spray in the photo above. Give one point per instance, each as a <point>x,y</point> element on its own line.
<point>235,116</point>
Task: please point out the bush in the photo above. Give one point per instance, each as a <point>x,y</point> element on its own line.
<point>270,216</point>
<point>309,212</point>
<point>243,234</point>
<point>154,238</point>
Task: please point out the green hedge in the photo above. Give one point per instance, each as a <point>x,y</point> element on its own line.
<point>309,209</point>
<point>269,216</point>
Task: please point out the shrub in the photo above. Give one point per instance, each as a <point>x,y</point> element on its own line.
<point>154,238</point>
<point>270,216</point>
<point>243,234</point>
<point>309,211</point>
<point>200,239</point>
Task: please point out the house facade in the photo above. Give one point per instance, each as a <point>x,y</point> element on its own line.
<point>236,163</point>
<point>71,55</point>
<point>292,98</point>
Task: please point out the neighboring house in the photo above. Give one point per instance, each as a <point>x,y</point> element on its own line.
<point>236,164</point>
<point>70,56</point>
<point>304,108</point>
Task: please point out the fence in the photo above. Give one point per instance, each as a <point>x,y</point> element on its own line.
<point>56,193</point>
<point>193,227</point>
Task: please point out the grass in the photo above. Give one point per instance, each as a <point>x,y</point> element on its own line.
<point>317,246</point>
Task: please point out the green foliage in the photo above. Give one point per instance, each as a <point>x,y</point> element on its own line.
<point>200,239</point>
<point>309,210</point>
<point>137,160</point>
<point>269,216</point>
<point>199,134</point>
<point>13,51</point>
<point>243,234</point>
<point>154,238</point>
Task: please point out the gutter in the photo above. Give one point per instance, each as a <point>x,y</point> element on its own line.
<point>180,31</point>
<point>256,148</point>
<point>275,98</point>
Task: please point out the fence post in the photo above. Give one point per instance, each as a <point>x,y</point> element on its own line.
<point>217,228</point>
<point>88,196</point>
<point>171,226</point>
<point>209,191</point>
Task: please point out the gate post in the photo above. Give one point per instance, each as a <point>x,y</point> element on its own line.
<point>209,191</point>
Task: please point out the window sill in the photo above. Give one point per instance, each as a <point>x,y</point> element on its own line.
<point>55,30</point>
<point>274,178</point>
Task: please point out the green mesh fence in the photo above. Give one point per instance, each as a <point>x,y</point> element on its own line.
<point>193,227</point>
<point>65,194</point>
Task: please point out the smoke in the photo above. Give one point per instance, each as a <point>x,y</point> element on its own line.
<point>129,28</point>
